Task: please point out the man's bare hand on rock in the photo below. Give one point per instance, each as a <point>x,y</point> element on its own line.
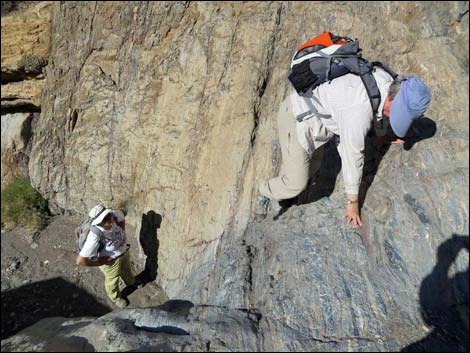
<point>352,213</point>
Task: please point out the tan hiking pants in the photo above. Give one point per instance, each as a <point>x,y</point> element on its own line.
<point>121,268</point>
<point>296,165</point>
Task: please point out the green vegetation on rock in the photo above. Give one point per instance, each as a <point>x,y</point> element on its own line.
<point>23,206</point>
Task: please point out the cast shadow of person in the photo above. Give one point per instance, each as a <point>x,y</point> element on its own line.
<point>322,183</point>
<point>148,238</point>
<point>444,302</point>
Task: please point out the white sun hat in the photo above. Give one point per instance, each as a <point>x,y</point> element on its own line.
<point>98,213</point>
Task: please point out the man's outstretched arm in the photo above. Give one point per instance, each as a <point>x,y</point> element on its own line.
<point>353,131</point>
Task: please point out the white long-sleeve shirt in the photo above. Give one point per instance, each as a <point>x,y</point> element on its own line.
<point>345,99</point>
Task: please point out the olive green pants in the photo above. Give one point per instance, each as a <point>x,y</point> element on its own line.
<point>121,268</point>
<point>297,166</point>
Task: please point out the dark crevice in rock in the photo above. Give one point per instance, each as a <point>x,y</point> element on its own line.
<point>417,208</point>
<point>73,120</point>
<point>24,108</point>
<point>92,19</point>
<point>262,88</point>
<point>215,306</point>
<point>18,76</point>
<point>253,314</point>
<point>229,55</point>
<point>171,330</point>
<point>185,7</point>
<point>255,126</point>
<point>28,67</point>
<point>461,16</point>
<point>270,55</point>
<point>110,82</point>
<point>27,129</point>
<point>265,76</point>
<point>90,47</point>
<point>250,252</point>
<point>9,99</point>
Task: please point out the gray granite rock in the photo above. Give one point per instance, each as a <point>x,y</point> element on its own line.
<point>175,326</point>
<point>16,145</point>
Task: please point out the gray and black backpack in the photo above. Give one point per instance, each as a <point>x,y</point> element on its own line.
<point>326,57</point>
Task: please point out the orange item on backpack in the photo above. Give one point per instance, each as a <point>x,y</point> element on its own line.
<point>326,39</point>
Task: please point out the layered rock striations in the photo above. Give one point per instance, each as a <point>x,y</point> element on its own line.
<point>26,40</point>
<point>157,106</point>
<point>25,51</point>
<point>170,108</point>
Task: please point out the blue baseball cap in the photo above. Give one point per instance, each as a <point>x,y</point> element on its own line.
<point>410,103</point>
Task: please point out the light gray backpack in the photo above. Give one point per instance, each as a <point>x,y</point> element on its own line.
<point>81,232</point>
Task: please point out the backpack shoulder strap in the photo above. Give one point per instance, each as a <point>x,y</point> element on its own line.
<point>96,230</point>
<point>371,85</point>
<point>386,68</point>
<point>99,233</point>
<point>373,91</point>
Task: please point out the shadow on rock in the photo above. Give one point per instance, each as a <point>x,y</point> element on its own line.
<point>24,306</point>
<point>445,302</point>
<point>321,183</point>
<point>421,129</point>
<point>373,155</point>
<point>148,238</point>
<point>182,307</point>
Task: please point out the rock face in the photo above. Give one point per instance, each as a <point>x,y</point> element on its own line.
<point>157,106</point>
<point>173,327</point>
<point>16,135</point>
<point>170,109</point>
<point>321,286</point>
<point>25,50</point>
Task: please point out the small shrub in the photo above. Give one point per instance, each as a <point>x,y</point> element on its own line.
<point>23,206</point>
<point>32,64</point>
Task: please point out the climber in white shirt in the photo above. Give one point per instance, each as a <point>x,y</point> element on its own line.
<point>343,109</point>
